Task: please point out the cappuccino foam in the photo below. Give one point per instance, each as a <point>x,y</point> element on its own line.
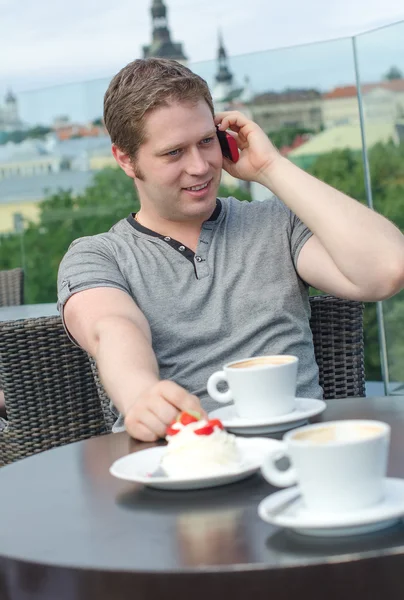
<point>263,361</point>
<point>343,433</point>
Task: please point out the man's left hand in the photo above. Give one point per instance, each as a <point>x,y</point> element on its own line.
<point>257,153</point>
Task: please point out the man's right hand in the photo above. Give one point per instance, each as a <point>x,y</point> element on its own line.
<point>156,407</point>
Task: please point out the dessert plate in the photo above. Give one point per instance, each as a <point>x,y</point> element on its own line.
<point>304,409</point>
<point>144,467</point>
<point>286,509</point>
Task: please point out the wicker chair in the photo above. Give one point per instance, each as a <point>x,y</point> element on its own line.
<point>11,287</point>
<point>337,327</point>
<point>50,392</point>
<point>54,395</point>
<point>11,294</point>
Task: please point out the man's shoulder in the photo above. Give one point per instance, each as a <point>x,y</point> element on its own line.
<point>271,206</point>
<point>102,240</point>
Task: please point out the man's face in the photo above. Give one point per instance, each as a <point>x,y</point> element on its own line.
<point>181,153</point>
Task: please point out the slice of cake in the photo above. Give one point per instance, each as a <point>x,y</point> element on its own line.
<point>199,448</point>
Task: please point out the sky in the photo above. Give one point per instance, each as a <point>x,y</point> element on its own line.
<point>59,56</point>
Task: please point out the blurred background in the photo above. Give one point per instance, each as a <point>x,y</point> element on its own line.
<point>325,83</point>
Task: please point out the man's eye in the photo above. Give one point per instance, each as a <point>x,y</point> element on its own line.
<point>173,152</point>
<point>207,141</point>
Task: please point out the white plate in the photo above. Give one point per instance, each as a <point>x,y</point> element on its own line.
<point>139,467</point>
<point>304,409</point>
<point>286,509</point>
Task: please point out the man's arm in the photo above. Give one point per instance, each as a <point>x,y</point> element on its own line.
<point>354,252</point>
<point>107,323</point>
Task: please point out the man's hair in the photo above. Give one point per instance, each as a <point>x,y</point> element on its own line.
<point>142,86</point>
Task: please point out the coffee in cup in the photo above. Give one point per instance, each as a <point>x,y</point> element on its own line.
<point>260,387</point>
<point>339,466</point>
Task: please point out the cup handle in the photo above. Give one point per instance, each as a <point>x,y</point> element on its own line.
<point>271,472</point>
<point>222,397</point>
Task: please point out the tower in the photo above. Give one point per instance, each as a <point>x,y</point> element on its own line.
<point>223,86</point>
<point>161,45</point>
<point>9,116</point>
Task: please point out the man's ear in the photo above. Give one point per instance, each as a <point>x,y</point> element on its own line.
<point>123,161</point>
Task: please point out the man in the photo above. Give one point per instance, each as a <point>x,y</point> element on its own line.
<point>190,282</point>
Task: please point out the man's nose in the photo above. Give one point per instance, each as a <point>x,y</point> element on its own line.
<point>197,163</point>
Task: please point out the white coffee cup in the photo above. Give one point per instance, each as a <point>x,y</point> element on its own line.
<point>260,387</point>
<point>339,466</point>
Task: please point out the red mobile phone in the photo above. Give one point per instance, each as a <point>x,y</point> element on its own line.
<point>228,145</point>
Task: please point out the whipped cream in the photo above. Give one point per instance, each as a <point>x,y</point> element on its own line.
<point>189,455</point>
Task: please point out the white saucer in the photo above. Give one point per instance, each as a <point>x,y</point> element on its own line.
<point>140,466</point>
<point>286,509</point>
<point>304,409</point>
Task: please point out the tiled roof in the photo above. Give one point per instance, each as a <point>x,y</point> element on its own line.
<point>71,148</point>
<point>286,96</point>
<point>349,91</point>
<point>34,188</point>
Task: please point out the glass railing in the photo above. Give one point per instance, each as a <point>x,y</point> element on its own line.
<point>382,103</point>
<point>59,181</point>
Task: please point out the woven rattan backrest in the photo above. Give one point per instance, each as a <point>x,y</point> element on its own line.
<point>51,397</point>
<point>11,287</point>
<point>337,327</point>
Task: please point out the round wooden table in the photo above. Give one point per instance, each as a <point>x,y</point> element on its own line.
<point>69,530</point>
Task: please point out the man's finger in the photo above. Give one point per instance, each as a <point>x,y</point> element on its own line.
<point>163,410</point>
<point>153,423</point>
<point>140,432</point>
<point>174,393</point>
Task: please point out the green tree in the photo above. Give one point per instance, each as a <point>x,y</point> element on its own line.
<point>16,137</point>
<point>286,135</point>
<point>39,131</point>
<point>393,73</point>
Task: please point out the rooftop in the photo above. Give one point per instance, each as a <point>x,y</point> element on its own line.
<point>20,189</point>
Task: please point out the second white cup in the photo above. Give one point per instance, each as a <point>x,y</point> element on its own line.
<point>338,466</point>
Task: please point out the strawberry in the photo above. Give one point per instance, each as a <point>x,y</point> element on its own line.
<point>216,423</point>
<point>172,431</point>
<point>206,430</point>
<point>185,418</point>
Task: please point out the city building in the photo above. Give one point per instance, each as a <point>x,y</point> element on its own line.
<point>9,115</point>
<point>66,130</point>
<point>33,169</point>
<point>51,155</point>
<point>20,197</point>
<point>300,109</point>
<point>382,101</point>
<point>162,45</point>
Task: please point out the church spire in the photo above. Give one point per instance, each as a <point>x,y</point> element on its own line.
<point>161,45</point>
<point>223,74</point>
<point>10,97</point>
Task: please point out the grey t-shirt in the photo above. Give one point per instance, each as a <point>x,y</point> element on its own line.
<point>238,296</point>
